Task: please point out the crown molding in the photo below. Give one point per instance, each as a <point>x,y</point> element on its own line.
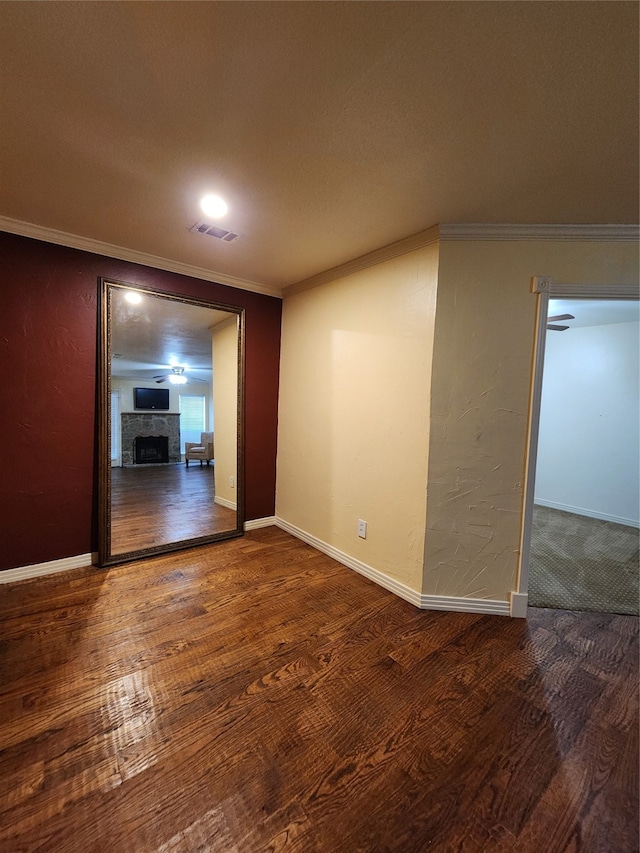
<point>378,256</point>
<point>470,231</point>
<point>97,247</point>
<point>587,233</point>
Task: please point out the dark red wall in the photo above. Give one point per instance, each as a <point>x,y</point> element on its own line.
<point>48,369</point>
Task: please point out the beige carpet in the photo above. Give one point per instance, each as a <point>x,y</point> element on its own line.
<point>580,563</point>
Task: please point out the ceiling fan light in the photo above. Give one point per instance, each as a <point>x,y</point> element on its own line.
<point>177,379</point>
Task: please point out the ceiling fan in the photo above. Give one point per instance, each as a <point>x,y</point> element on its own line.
<point>551,321</point>
<point>176,377</point>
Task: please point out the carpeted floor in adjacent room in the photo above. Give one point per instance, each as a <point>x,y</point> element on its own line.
<point>580,563</point>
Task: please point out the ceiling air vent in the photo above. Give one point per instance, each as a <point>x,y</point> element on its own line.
<point>202,227</point>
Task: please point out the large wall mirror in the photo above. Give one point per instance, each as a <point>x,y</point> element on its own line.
<point>171,422</point>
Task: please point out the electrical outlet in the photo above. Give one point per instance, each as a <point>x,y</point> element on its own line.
<point>232,482</point>
<point>362,529</point>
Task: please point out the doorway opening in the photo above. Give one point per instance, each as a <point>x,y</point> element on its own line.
<point>580,534</point>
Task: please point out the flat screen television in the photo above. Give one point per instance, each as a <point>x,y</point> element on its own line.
<point>151,398</point>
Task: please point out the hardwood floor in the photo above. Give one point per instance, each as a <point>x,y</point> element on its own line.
<point>255,695</point>
<point>157,504</point>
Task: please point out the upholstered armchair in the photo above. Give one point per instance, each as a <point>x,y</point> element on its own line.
<point>202,451</point>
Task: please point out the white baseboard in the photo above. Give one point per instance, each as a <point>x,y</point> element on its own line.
<point>257,523</point>
<point>39,569</point>
<point>376,576</point>
<point>578,510</point>
<point>519,601</point>
<point>424,602</point>
<point>458,604</point>
<point>225,502</point>
<point>421,600</point>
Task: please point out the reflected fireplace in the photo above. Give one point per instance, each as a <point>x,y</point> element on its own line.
<point>148,449</point>
<point>137,425</point>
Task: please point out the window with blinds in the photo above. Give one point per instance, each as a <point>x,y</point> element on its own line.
<point>192,418</point>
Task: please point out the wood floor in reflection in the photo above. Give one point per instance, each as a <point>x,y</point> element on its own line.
<point>157,504</point>
<point>255,695</point>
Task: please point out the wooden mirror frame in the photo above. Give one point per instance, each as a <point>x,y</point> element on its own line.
<point>105,555</point>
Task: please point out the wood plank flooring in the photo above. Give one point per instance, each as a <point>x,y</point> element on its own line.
<point>158,504</point>
<point>255,695</point>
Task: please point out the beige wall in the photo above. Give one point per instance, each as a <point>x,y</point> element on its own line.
<point>354,411</point>
<point>484,339</point>
<point>224,347</point>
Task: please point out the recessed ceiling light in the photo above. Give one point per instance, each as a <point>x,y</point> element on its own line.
<point>213,206</point>
<point>133,297</point>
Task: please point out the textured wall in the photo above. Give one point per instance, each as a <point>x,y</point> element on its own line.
<point>481,379</point>
<point>48,429</point>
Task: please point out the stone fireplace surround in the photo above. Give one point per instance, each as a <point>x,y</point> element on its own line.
<point>144,424</point>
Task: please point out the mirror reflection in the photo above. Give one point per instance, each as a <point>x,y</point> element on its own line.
<point>171,417</point>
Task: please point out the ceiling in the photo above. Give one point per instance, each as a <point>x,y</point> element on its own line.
<point>331,129</point>
<point>148,338</point>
